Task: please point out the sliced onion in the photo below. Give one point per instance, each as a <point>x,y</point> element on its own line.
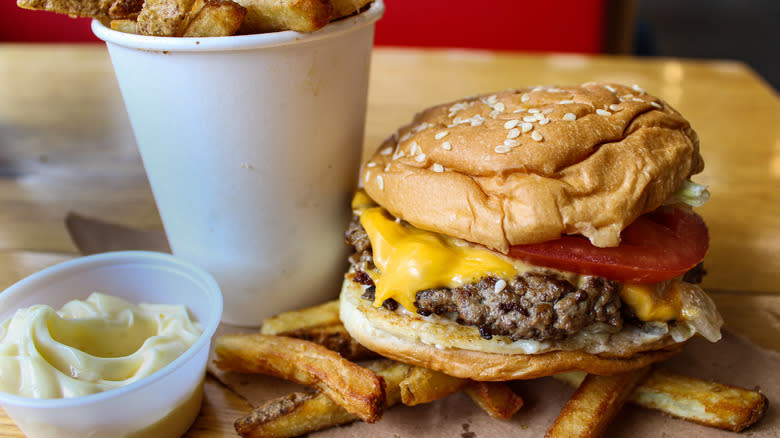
<point>699,311</point>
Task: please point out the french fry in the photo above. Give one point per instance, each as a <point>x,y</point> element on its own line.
<point>336,338</point>
<point>300,413</point>
<point>275,15</point>
<point>126,26</point>
<point>708,403</point>
<point>573,378</point>
<point>292,415</point>
<point>495,398</point>
<point>318,324</point>
<point>359,390</point>
<point>164,17</point>
<point>197,5</point>
<point>343,8</point>
<point>422,385</point>
<point>100,9</point>
<point>216,18</point>
<point>393,373</point>
<point>125,9</point>
<point>724,406</point>
<point>594,404</point>
<point>317,316</point>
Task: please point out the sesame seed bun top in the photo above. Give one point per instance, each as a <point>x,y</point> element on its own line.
<point>526,166</point>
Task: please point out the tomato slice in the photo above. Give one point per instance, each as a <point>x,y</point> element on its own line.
<point>658,246</point>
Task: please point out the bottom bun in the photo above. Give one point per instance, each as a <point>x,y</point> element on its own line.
<point>389,334</point>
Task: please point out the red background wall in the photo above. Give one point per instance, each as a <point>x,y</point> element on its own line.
<point>557,25</point>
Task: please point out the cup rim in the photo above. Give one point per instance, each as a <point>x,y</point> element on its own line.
<point>111,258</point>
<point>238,42</point>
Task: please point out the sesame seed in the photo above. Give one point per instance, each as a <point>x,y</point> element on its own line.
<point>492,99</point>
<point>636,99</point>
<point>615,107</point>
<point>525,98</point>
<point>513,133</point>
<point>386,151</point>
<point>547,111</point>
<point>493,114</point>
<point>370,164</point>
<point>610,88</point>
<point>405,137</point>
<point>602,112</point>
<point>657,105</point>
<point>536,136</point>
<point>419,157</point>
<point>519,110</point>
<point>511,143</point>
<point>421,127</point>
<point>555,90</point>
<point>511,123</point>
<point>415,148</point>
<point>638,88</point>
<point>438,167</point>
<point>499,286</point>
<point>537,88</point>
<point>380,182</point>
<point>569,117</point>
<point>534,111</point>
<point>477,120</point>
<point>367,175</point>
<point>529,119</point>
<point>566,102</point>
<point>387,167</point>
<point>544,121</point>
<point>502,149</point>
<point>446,146</point>
<point>499,107</point>
<point>457,107</point>
<point>441,134</point>
<point>526,127</point>
<point>398,154</point>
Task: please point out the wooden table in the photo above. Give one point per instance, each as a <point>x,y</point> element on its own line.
<point>66,145</point>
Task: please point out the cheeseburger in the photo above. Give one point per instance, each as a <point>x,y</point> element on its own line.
<point>531,232</point>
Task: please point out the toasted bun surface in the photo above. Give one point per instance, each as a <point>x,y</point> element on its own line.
<point>526,166</point>
<point>396,336</point>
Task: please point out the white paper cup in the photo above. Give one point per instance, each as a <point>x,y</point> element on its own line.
<point>251,145</point>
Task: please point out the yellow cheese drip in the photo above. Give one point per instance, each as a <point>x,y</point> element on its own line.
<point>412,260</point>
<point>653,302</point>
<point>361,201</point>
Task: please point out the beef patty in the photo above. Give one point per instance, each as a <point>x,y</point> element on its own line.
<point>537,306</point>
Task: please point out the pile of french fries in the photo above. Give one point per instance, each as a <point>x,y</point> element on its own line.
<point>204,18</point>
<point>312,347</point>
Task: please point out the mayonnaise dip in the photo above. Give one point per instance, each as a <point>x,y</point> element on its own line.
<point>90,346</point>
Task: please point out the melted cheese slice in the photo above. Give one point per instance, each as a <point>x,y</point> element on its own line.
<point>411,260</point>
<point>653,302</point>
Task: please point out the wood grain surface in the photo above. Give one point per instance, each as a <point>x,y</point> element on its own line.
<point>66,145</point>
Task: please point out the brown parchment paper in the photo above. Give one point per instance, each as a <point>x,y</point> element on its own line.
<point>734,360</point>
